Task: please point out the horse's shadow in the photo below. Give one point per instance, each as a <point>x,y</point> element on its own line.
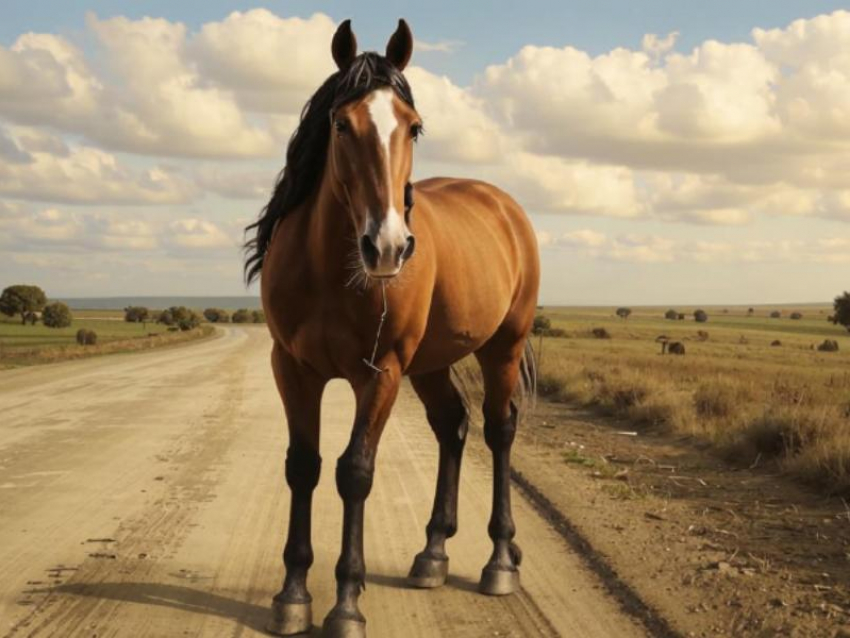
<point>197,601</point>
<point>177,597</point>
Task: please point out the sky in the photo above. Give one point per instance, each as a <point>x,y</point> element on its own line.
<point>667,152</point>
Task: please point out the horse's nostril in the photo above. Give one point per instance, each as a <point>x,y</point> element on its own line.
<point>369,251</point>
<point>409,247</point>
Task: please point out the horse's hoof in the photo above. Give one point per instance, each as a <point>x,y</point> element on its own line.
<point>289,619</point>
<point>428,572</point>
<point>499,582</point>
<point>343,628</point>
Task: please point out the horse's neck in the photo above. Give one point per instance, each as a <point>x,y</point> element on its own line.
<point>331,236</point>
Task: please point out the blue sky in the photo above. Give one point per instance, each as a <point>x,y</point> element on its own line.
<point>490,30</point>
<point>706,167</point>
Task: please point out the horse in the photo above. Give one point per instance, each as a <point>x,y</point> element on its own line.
<point>369,277</point>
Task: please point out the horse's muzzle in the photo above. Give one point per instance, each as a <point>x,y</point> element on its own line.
<point>387,260</point>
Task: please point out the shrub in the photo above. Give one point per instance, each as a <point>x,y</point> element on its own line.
<point>217,315</point>
<point>775,314</point>
<point>796,316</point>
<point>258,316</point>
<point>681,316</point>
<point>623,313</point>
<point>676,347</point>
<point>136,314</point>
<point>600,333</point>
<point>702,335</point>
<point>541,325</point>
<point>776,343</point>
<point>828,345</point>
<point>86,337</point>
<point>180,317</point>
<point>242,316</point>
<point>671,314</point>
<point>700,316</point>
<point>56,315</point>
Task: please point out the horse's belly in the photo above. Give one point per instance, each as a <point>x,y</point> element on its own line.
<point>452,335</point>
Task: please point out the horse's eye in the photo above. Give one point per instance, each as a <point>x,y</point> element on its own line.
<point>415,131</point>
<point>340,126</point>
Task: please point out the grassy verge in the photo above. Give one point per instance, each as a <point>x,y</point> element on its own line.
<point>32,345</point>
<point>751,400</point>
<point>733,391</point>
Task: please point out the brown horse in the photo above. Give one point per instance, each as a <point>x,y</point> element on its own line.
<point>348,292</point>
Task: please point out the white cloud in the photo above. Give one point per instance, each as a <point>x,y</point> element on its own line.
<point>197,234</point>
<point>89,175</point>
<point>442,46</point>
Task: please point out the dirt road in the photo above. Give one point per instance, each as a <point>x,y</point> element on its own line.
<point>143,495</point>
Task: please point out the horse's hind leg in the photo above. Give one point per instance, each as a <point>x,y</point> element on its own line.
<point>448,418</point>
<point>301,391</point>
<point>500,360</point>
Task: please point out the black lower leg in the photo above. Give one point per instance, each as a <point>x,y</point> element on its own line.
<point>354,474</point>
<point>499,434</point>
<point>451,433</point>
<point>303,466</point>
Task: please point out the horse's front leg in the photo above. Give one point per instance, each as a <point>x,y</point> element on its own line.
<point>354,472</point>
<point>301,391</point>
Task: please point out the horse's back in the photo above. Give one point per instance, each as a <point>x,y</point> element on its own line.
<point>487,265</point>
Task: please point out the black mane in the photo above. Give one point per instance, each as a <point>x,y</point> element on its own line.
<point>307,150</point>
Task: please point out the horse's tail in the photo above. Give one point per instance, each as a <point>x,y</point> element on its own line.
<point>528,377</point>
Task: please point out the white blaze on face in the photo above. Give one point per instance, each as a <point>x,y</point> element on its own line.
<point>392,232</point>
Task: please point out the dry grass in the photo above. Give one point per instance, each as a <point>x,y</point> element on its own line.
<point>751,401</point>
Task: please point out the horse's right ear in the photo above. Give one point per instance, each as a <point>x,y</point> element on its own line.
<point>344,45</point>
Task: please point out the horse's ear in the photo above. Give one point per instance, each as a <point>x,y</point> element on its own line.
<point>344,45</point>
<point>400,46</point>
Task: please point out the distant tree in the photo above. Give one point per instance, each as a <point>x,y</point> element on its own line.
<point>136,314</point>
<point>796,316</point>
<point>165,317</point>
<point>700,316</point>
<point>726,311</point>
<point>600,333</point>
<point>623,313</point>
<point>56,315</point>
<point>217,315</point>
<point>671,314</point>
<point>681,316</point>
<point>258,316</point>
<point>751,312</point>
<point>776,314</point>
<point>86,337</point>
<point>22,300</point>
<point>242,316</point>
<point>841,305</point>
<point>541,325</point>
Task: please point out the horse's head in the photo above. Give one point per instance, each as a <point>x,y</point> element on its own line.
<point>373,127</point>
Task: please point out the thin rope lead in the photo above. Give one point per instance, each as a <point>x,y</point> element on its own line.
<point>371,362</point>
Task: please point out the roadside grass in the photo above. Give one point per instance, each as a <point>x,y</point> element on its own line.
<point>751,401</point>
<point>29,345</point>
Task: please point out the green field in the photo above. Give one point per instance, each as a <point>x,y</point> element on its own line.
<point>27,344</point>
<point>755,402</point>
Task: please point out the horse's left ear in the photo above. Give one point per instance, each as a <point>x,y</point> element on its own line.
<point>400,46</point>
